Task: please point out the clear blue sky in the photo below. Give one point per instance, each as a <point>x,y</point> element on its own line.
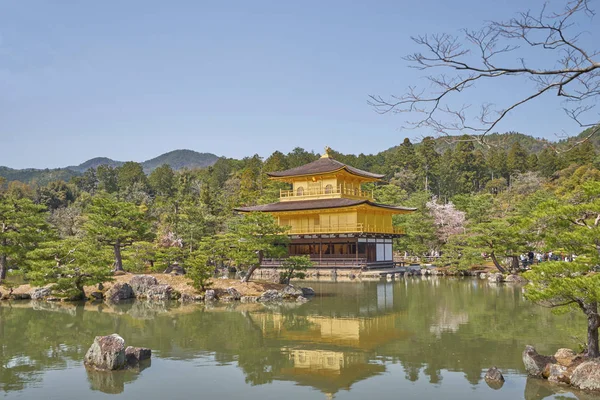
<point>130,79</point>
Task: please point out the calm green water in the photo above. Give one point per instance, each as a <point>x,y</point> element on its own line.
<point>415,338</point>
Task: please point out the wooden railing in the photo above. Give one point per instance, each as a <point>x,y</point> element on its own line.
<point>307,194</point>
<point>345,228</point>
<point>323,261</point>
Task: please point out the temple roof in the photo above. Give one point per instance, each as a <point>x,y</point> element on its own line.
<point>322,166</point>
<point>317,204</point>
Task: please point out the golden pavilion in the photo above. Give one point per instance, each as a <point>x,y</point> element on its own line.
<point>331,218</point>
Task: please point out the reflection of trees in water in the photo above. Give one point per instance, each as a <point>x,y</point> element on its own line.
<point>267,344</point>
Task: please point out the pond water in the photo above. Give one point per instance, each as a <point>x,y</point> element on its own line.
<point>416,338</point>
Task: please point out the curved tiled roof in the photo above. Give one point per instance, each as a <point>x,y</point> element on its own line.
<point>317,204</point>
<point>321,166</point>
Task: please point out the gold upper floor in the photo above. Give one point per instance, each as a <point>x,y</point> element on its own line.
<point>328,186</point>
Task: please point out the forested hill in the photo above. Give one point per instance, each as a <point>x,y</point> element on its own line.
<point>177,159</point>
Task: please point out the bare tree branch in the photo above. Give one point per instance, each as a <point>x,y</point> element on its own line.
<point>573,73</point>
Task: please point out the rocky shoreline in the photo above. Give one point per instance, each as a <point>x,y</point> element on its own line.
<point>166,287</point>
<point>565,368</point>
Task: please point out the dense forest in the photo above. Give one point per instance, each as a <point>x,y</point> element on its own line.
<point>472,201</point>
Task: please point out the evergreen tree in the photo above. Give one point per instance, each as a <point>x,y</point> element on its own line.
<point>22,227</point>
<point>516,159</point>
<point>162,180</point>
<point>70,264</point>
<point>257,235</point>
<point>116,224</point>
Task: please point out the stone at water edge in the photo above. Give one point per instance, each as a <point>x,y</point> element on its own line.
<point>249,299</point>
<point>301,299</point>
<point>535,363</point>
<point>494,374</point>
<point>587,376</point>
<point>160,292</point>
<point>495,277</point>
<point>40,293</point>
<point>270,295</point>
<point>140,284</point>
<point>96,295</point>
<point>210,295</point>
<point>233,292</point>
<point>308,291</point>
<point>513,278</point>
<point>291,291</point>
<point>106,353</point>
<point>565,356</point>
<point>135,355</point>
<point>119,291</point>
<point>494,378</point>
<point>557,373</point>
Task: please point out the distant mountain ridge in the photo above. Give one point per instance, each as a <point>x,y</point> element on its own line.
<point>177,159</point>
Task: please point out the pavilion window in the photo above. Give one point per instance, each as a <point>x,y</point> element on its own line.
<point>300,191</point>
<point>329,189</point>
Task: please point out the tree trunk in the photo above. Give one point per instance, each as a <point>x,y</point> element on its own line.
<point>514,265</point>
<point>253,267</point>
<point>591,310</point>
<point>3,267</point>
<point>496,263</point>
<point>118,259</point>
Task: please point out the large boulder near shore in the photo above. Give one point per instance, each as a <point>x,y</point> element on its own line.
<point>535,363</point>
<point>107,353</point>
<point>40,293</point>
<point>587,376</point>
<point>308,291</point>
<point>159,292</point>
<point>140,284</point>
<point>119,291</point>
<point>270,296</point>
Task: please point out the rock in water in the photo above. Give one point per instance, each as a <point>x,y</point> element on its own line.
<point>535,363</point>
<point>494,374</point>
<point>134,355</point>
<point>119,291</point>
<point>495,277</point>
<point>140,284</point>
<point>301,299</point>
<point>308,291</point>
<point>106,353</point>
<point>587,376</point>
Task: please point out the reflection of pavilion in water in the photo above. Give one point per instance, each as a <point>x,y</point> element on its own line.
<point>329,353</point>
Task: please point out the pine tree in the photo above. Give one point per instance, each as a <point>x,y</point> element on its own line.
<point>116,224</point>
<point>70,264</point>
<point>22,227</point>
<point>256,235</point>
